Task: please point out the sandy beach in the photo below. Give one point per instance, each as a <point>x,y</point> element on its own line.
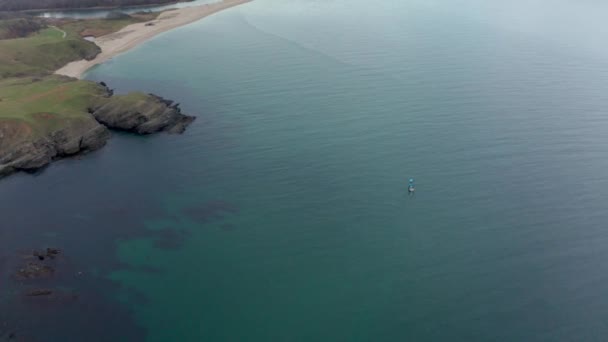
<point>132,35</point>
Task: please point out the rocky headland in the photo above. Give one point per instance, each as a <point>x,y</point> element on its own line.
<point>23,147</point>
<point>47,113</point>
<point>140,113</point>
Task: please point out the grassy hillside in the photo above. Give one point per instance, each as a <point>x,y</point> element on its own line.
<point>42,53</point>
<point>45,47</point>
<point>33,102</point>
<point>38,106</point>
<point>45,116</point>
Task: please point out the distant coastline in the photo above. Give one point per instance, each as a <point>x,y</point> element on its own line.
<point>118,8</point>
<point>135,34</point>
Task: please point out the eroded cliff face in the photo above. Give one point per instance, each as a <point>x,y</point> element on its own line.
<point>30,153</point>
<point>141,113</point>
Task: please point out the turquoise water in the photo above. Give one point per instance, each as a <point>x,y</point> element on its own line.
<point>282,214</point>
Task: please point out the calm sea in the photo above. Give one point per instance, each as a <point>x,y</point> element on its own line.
<point>282,214</point>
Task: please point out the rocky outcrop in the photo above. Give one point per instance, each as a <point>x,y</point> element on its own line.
<point>25,148</point>
<point>33,154</point>
<point>141,113</point>
<point>38,292</point>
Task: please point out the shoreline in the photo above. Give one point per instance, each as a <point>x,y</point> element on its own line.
<point>130,36</point>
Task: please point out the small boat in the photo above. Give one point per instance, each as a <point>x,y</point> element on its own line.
<point>410,187</point>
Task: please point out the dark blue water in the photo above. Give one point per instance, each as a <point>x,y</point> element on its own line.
<point>283,215</point>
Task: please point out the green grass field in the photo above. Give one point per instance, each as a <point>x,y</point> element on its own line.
<point>46,104</point>
<point>41,53</point>
<point>33,101</point>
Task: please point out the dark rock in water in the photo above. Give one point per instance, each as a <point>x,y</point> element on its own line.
<point>49,298</point>
<point>52,252</point>
<point>35,271</point>
<point>109,92</point>
<point>39,292</point>
<point>142,114</point>
<point>210,211</point>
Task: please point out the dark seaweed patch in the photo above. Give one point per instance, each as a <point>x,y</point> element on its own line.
<point>170,239</point>
<point>210,211</point>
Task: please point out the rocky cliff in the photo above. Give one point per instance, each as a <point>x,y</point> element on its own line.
<point>31,145</point>
<point>140,113</point>
<point>20,153</point>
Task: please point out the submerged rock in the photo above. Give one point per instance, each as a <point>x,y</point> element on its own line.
<point>56,298</point>
<point>39,293</point>
<point>35,271</point>
<point>37,266</point>
<point>50,253</point>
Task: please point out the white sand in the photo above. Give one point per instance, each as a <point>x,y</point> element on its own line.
<point>132,35</point>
